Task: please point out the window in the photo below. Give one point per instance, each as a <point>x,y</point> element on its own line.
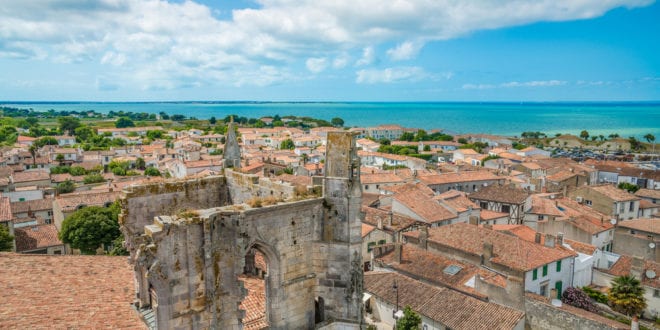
<point>656,293</point>
<point>381,242</point>
<point>366,187</point>
<point>506,208</point>
<point>544,290</point>
<point>622,207</point>
<point>632,206</point>
<point>535,274</point>
<point>483,205</point>
<point>558,266</point>
<point>540,217</point>
<point>587,202</point>
<point>370,246</point>
<point>545,270</point>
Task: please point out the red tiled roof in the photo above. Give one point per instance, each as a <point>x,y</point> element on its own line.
<point>254,304</point>
<point>490,215</point>
<point>36,237</point>
<point>424,206</point>
<point>33,205</point>
<point>501,193</point>
<point>67,292</point>
<point>366,229</point>
<point>70,202</point>
<point>541,205</point>
<point>451,308</point>
<point>399,222</point>
<point>616,194</point>
<point>5,209</point>
<point>466,176</point>
<point>509,251</point>
<point>623,266</point>
<point>34,175</point>
<point>648,193</point>
<point>647,225</point>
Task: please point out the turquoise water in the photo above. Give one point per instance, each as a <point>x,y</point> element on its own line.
<point>626,119</point>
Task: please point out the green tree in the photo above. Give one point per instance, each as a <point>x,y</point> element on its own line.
<point>140,163</point>
<point>151,171</point>
<point>650,138</point>
<point>68,124</point>
<point>88,228</point>
<point>77,170</point>
<point>627,296</point>
<point>338,122</point>
<point>118,248</point>
<point>407,136</point>
<point>212,120</point>
<point>65,187</point>
<point>409,321</point>
<point>584,134</point>
<point>124,122</point>
<point>45,141</point>
<point>93,178</point>
<point>631,188</point>
<point>84,133</point>
<point>287,144</point>
<point>6,240</point>
<point>59,158</point>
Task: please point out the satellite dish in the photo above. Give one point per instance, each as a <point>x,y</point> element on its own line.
<point>650,274</point>
<point>613,221</point>
<point>652,245</point>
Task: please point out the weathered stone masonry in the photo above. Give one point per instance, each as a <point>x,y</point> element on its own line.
<point>189,241</point>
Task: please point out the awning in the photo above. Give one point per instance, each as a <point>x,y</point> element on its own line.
<point>365,297</point>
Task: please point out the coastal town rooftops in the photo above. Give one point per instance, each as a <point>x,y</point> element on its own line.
<point>646,225</point>
<point>5,209</point>
<point>648,193</point>
<point>545,206</point>
<point>380,178</point>
<point>449,178</point>
<point>614,193</point>
<point>529,235</point>
<point>433,267</point>
<point>424,206</point>
<point>71,202</point>
<point>510,251</point>
<point>624,266</point>
<point>453,309</point>
<point>36,237</point>
<point>501,193</point>
<point>33,205</point>
<point>92,292</point>
<point>33,175</point>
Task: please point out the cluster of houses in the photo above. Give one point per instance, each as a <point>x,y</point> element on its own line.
<point>490,238</point>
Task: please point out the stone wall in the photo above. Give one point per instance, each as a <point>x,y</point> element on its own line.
<point>543,316</point>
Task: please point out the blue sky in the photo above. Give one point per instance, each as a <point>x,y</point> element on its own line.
<point>340,50</point>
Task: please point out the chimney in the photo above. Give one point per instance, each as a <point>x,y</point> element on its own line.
<point>537,238</point>
<point>380,223</point>
<point>473,220</point>
<point>560,239</point>
<point>397,252</point>
<point>637,267</point>
<point>423,237</point>
<point>390,218</point>
<point>487,253</point>
<point>549,241</point>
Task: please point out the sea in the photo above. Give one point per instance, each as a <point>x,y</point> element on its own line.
<point>510,119</point>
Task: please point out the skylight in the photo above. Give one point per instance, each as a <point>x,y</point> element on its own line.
<point>452,269</point>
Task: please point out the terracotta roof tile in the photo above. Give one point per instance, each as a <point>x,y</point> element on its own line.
<point>366,229</point>
<point>33,175</point>
<point>36,237</point>
<point>501,193</point>
<point>399,222</point>
<point>466,176</point>
<point>648,193</point>
<point>512,252</point>
<point>424,206</point>
<point>623,266</point>
<point>451,308</point>
<point>70,202</point>
<point>67,292</point>
<point>542,205</point>
<point>254,304</point>
<point>491,215</point>
<point>5,209</point>
<point>647,225</point>
<point>431,267</point>
<point>33,205</point>
<point>614,193</point>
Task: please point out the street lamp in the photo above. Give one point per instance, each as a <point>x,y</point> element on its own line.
<point>394,312</point>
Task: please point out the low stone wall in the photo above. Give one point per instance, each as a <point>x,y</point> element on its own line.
<point>540,314</point>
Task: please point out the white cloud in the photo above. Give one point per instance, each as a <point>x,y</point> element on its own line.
<point>316,65</point>
<point>158,43</point>
<point>390,75</point>
<point>516,84</point>
<point>404,51</point>
<point>368,56</point>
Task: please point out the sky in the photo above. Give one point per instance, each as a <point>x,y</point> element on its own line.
<point>339,50</point>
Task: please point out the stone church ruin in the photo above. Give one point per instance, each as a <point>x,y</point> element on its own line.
<point>192,243</point>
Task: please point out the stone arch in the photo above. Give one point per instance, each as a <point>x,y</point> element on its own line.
<point>272,280</point>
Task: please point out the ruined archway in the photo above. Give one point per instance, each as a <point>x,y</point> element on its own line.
<point>257,281</point>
